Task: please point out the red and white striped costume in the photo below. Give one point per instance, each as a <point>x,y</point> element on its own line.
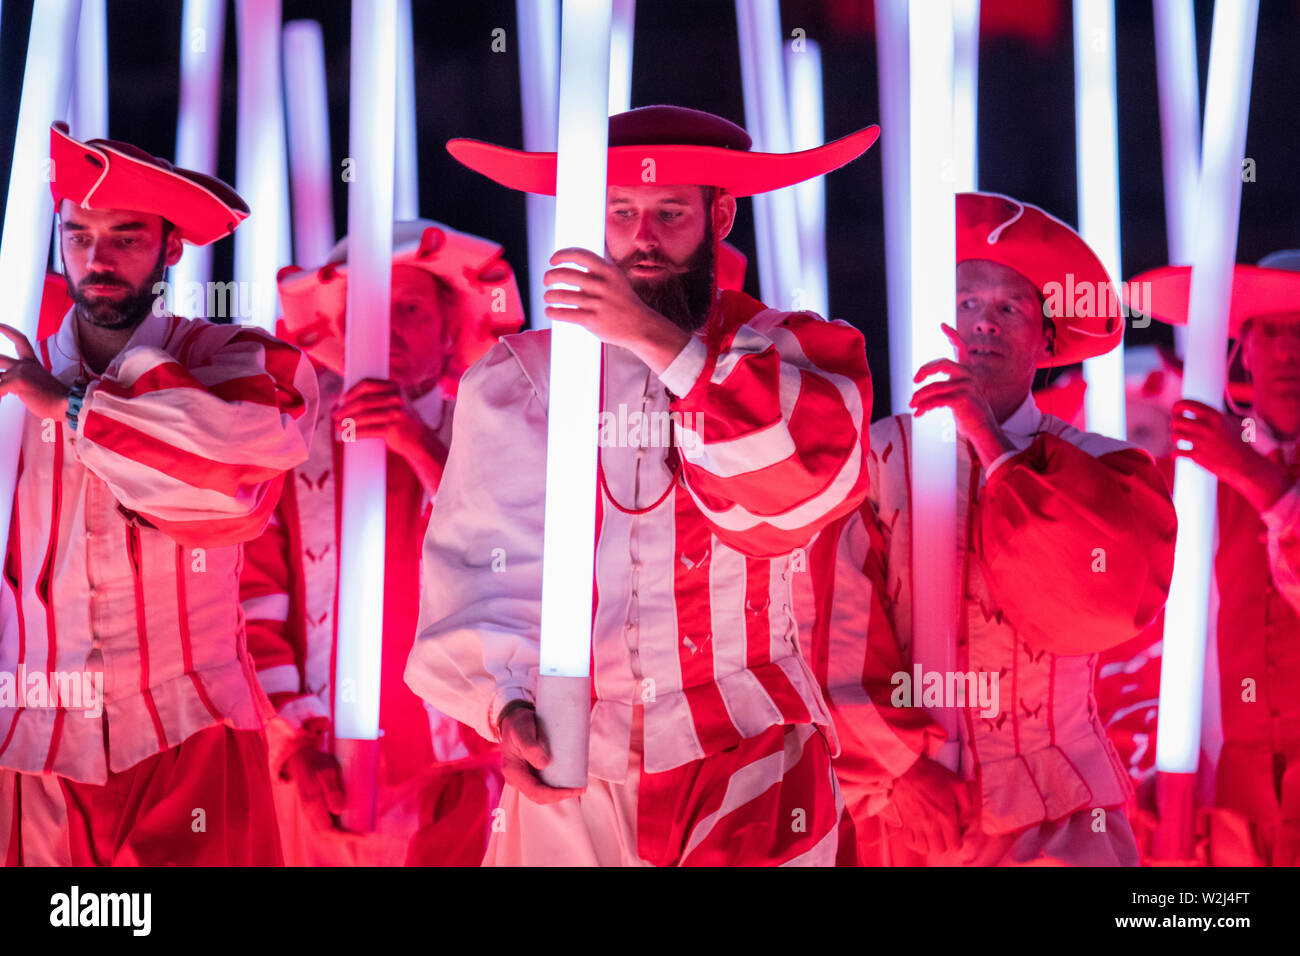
<point>125,547</point>
<point>438,780</point>
<point>692,618</point>
<point>1038,608</point>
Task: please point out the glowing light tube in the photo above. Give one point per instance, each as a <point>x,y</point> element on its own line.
<point>1213,249</point>
<point>88,112</point>
<point>803,76</point>
<point>29,210</point>
<point>538,28</point>
<point>261,169</point>
<point>892,59</point>
<point>406,181</point>
<point>1180,124</point>
<point>620,56</point>
<point>311,170</point>
<point>203,30</point>
<point>1097,148</point>
<point>767,117</point>
<point>965,94</point>
<point>933,298</point>
<point>564,688</point>
<point>371,134</point>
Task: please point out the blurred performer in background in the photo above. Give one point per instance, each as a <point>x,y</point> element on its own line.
<point>154,446</point>
<point>1255,644</point>
<point>707,735</point>
<point>1066,549</point>
<point>452,296</point>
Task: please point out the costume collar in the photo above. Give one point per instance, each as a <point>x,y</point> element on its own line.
<point>1026,421</point>
<point>429,407</point>
<point>65,351</point>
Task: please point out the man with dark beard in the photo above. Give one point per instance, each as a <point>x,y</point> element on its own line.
<point>708,733</point>
<point>130,716</point>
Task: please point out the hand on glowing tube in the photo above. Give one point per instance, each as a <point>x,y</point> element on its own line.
<point>380,409</point>
<point>971,410</point>
<point>524,751</point>
<point>1220,446</point>
<point>43,394</point>
<point>606,305</point>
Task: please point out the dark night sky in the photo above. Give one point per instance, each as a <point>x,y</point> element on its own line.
<point>686,53</point>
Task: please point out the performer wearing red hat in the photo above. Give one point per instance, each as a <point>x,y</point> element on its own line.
<point>1256,637</point>
<point>1066,543</point>
<point>453,295</point>
<point>130,716</point>
<point>707,733</point>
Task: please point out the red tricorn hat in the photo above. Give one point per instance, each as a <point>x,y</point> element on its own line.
<point>104,174</point>
<point>1267,289</point>
<point>1077,292</point>
<point>671,146</point>
<point>486,295</point>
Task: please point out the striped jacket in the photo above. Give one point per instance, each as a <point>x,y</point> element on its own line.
<point>693,612</point>
<point>1065,548</point>
<point>125,547</point>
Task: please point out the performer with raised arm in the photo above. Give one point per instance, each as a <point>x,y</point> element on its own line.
<point>453,295</point>
<point>154,446</point>
<point>1066,543</point>
<point>1255,819</point>
<point>730,433</point>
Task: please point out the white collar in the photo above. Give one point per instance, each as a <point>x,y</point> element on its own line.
<point>1025,421</point>
<point>66,345</point>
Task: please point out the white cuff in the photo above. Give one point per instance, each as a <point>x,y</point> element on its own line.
<point>684,371</point>
<point>999,461</point>
<point>302,709</point>
<point>501,698</point>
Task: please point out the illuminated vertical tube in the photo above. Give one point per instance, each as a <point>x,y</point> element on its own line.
<point>538,28</point>
<point>1180,124</point>
<point>933,300</point>
<point>564,685</point>
<point>965,94</point>
<point>261,168</point>
<point>1213,251</point>
<point>621,45</point>
<point>892,60</point>
<point>767,117</point>
<point>311,171</point>
<point>1097,148</point>
<point>803,74</point>
<point>29,210</point>
<point>203,29</point>
<point>88,111</point>
<point>406,181</point>
<point>371,137</point>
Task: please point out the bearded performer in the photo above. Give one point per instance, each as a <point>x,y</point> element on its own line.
<point>453,295</point>
<point>154,446</point>
<point>707,729</point>
<point>1066,545</point>
<point>1255,819</point>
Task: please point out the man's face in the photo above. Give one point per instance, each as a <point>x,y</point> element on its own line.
<point>1000,316</point>
<point>1271,352</point>
<point>662,238</point>
<point>112,260</point>
<point>418,349</point>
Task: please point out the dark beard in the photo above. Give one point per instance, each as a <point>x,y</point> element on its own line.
<point>125,313</point>
<point>682,298</point>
